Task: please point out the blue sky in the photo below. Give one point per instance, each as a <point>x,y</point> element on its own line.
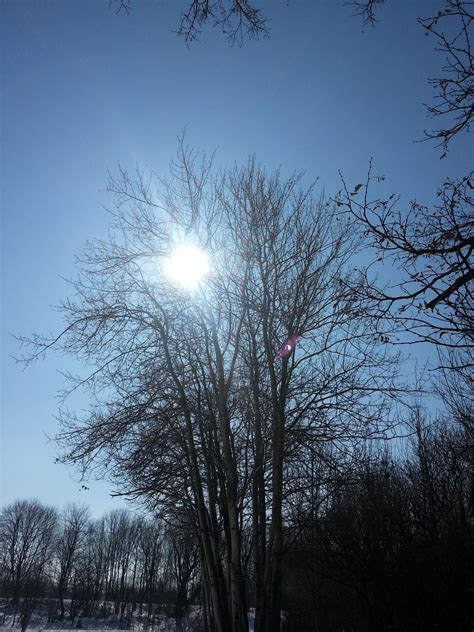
<point>84,88</point>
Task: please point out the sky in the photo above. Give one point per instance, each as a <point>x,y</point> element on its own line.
<point>85,88</point>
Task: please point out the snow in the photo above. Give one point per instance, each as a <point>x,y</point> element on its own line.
<point>136,622</point>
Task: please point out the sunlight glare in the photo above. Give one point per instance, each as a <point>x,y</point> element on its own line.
<point>187,266</point>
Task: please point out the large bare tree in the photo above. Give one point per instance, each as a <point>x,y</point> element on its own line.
<point>206,400</point>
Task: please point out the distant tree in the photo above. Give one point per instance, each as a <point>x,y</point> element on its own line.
<point>183,563</point>
<point>27,537</point>
<point>74,523</point>
<point>150,553</point>
<point>88,578</point>
<point>120,540</point>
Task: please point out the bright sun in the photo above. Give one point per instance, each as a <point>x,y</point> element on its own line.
<point>187,266</point>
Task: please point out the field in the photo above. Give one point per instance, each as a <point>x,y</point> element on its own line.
<point>43,615</point>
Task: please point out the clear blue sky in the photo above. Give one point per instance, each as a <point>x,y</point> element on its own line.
<point>84,88</point>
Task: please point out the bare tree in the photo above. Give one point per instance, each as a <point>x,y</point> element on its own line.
<point>237,19</point>
<point>182,561</point>
<point>27,532</point>
<point>89,575</point>
<point>150,554</point>
<point>366,9</point>
<point>452,27</point>
<point>74,523</point>
<point>455,390</point>
<point>434,249</point>
<point>203,401</point>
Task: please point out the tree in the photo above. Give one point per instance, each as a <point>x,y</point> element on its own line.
<point>183,563</point>
<point>366,9</point>
<point>150,554</point>
<point>74,522</point>
<point>454,101</point>
<point>390,546</point>
<point>236,18</point>
<point>27,532</point>
<point>451,27</point>
<point>434,249</point>
<point>209,401</point>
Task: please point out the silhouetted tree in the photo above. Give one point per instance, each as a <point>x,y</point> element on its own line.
<point>452,28</point>
<point>74,523</point>
<point>366,9</point>
<point>390,547</point>
<point>212,399</point>
<point>434,247</point>
<point>27,536</point>
<point>237,19</point>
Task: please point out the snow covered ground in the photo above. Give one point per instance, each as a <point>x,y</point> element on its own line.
<point>10,620</point>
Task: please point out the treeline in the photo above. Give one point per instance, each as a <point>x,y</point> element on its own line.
<point>383,541</point>
<point>93,567</point>
<point>390,545</point>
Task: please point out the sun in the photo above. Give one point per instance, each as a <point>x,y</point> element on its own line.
<point>187,266</point>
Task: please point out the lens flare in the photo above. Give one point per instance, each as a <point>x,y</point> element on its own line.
<point>288,347</point>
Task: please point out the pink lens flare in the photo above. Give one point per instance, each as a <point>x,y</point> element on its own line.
<point>288,347</point>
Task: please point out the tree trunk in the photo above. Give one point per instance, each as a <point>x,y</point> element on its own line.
<point>239,620</point>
